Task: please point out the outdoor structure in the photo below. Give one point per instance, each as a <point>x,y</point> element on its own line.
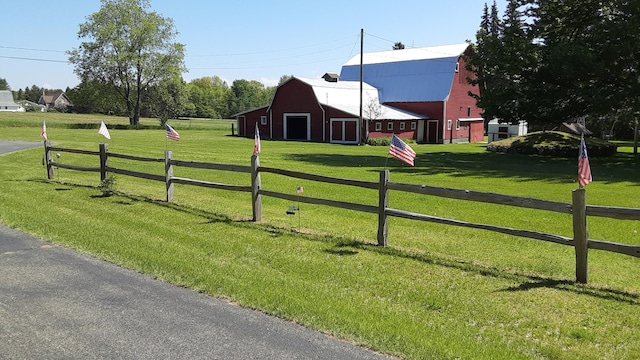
<point>323,111</point>
<point>420,94</point>
<point>498,131</point>
<point>7,103</point>
<point>56,100</point>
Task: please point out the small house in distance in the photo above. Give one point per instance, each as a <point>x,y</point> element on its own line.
<point>420,94</point>
<point>56,100</point>
<point>7,103</point>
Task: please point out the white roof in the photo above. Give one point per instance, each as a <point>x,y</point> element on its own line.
<point>6,98</point>
<point>345,96</point>
<point>423,53</point>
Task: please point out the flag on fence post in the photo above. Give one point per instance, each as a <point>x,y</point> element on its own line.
<point>584,170</point>
<point>43,132</point>
<point>171,133</point>
<point>299,189</point>
<point>103,130</point>
<point>256,142</point>
<point>401,151</point>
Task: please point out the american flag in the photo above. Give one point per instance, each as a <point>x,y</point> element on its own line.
<point>584,170</point>
<point>299,189</point>
<point>103,130</point>
<point>43,132</point>
<point>256,142</point>
<point>171,134</point>
<point>401,151</point>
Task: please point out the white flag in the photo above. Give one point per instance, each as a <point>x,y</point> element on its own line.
<point>104,131</point>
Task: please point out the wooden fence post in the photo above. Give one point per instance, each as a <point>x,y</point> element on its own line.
<point>383,203</point>
<point>580,233</point>
<point>48,159</point>
<point>256,185</point>
<point>104,161</point>
<point>168,171</point>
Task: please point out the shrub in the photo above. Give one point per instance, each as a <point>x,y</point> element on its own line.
<point>379,141</point>
<point>552,143</point>
<point>107,186</point>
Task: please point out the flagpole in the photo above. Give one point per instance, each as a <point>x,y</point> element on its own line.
<point>387,159</point>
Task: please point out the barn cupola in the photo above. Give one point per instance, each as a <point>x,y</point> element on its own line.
<point>331,77</point>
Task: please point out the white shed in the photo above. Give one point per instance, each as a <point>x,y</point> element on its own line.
<point>498,131</point>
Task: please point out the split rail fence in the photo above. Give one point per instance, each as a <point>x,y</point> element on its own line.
<point>578,208</point>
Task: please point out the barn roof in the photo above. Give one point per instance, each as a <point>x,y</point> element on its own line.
<point>6,98</point>
<point>345,96</point>
<point>408,75</point>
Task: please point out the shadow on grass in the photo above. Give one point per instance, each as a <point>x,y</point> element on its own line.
<point>343,246</point>
<point>623,167</point>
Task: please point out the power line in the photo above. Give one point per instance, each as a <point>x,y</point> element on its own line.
<point>33,59</point>
<point>29,49</point>
<point>272,51</point>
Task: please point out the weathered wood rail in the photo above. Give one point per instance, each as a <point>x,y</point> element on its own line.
<point>578,208</point>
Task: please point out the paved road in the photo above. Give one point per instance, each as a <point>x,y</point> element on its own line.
<point>56,303</point>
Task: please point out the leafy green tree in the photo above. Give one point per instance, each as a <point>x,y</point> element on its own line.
<point>549,61</point>
<point>130,48</point>
<point>167,100</point>
<point>210,97</point>
<point>94,96</point>
<point>33,93</point>
<point>249,94</point>
<point>284,79</point>
<point>4,85</point>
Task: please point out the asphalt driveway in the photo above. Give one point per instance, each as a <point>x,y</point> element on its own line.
<point>56,303</point>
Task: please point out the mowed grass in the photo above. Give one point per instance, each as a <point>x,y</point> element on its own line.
<point>436,292</point>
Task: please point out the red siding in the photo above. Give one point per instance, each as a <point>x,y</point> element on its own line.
<point>247,122</point>
<point>433,109</point>
<point>461,106</point>
<point>295,96</point>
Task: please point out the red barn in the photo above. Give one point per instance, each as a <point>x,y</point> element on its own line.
<point>419,93</point>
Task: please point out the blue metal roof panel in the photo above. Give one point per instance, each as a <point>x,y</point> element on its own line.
<point>407,81</point>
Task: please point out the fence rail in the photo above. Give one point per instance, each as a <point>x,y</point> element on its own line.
<point>578,208</point>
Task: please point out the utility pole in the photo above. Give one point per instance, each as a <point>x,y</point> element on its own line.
<point>362,133</point>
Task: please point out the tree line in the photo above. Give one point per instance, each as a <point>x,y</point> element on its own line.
<point>206,97</point>
<point>553,61</point>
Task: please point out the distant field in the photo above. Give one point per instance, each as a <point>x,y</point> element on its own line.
<point>436,292</point>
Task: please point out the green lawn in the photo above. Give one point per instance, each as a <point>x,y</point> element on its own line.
<point>436,292</point>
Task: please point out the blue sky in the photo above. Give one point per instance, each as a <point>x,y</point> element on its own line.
<point>252,40</point>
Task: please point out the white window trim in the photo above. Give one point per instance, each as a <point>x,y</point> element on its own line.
<point>344,122</point>
<point>402,125</point>
<point>284,123</point>
<point>390,126</point>
<point>263,120</point>
<point>457,124</point>
<point>378,126</point>
<point>448,124</point>
<point>413,125</point>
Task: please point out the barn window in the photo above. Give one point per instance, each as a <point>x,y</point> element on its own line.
<point>390,126</point>
<point>457,124</point>
<point>263,120</point>
<point>457,67</point>
<point>413,125</point>
<point>402,125</point>
<point>448,124</point>
<point>378,126</point>
<point>468,111</point>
